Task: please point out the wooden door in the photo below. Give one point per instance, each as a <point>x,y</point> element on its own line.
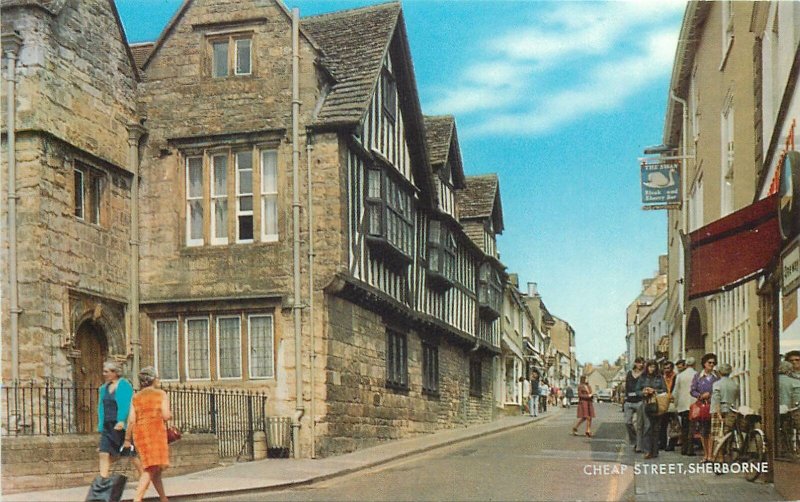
<point>88,374</point>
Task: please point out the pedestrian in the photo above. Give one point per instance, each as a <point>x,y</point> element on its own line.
<point>544,394</point>
<point>526,396</point>
<point>788,406</point>
<point>724,395</point>
<point>702,384</point>
<point>682,396</point>
<point>570,394</point>
<point>668,375</point>
<point>793,357</point>
<point>633,405</point>
<point>534,399</point>
<point>148,414</point>
<point>648,385</point>
<point>113,407</point>
<point>585,408</point>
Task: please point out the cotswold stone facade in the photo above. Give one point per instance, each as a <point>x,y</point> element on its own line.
<point>397,304</point>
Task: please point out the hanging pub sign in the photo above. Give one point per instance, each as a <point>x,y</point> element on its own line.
<point>660,184</point>
<point>789,199</point>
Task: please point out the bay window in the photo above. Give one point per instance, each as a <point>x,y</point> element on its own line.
<point>389,215</point>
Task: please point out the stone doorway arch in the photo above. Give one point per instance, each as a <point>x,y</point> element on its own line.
<point>91,349</point>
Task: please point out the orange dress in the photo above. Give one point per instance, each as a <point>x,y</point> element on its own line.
<point>150,432</point>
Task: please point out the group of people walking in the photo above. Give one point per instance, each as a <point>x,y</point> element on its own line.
<point>537,395</point>
<point>133,425</point>
<point>659,404</point>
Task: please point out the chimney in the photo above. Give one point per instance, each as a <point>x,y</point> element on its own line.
<point>514,280</point>
<point>646,283</point>
<point>663,264</point>
<point>533,289</point>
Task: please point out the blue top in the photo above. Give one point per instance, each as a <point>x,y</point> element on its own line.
<point>703,382</point>
<point>123,396</point>
<point>654,382</point>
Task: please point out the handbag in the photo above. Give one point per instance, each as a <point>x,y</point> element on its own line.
<point>700,411</point>
<point>663,403</point>
<point>173,434</point>
<point>674,428</point>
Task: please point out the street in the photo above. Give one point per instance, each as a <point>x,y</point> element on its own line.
<point>540,461</point>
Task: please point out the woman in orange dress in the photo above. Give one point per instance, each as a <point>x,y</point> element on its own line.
<point>147,428</point>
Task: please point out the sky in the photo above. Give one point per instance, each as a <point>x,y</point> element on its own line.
<point>559,99</point>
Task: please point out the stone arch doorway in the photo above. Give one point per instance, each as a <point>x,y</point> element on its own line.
<point>695,340</point>
<point>92,346</point>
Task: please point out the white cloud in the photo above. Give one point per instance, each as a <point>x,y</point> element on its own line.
<point>608,52</point>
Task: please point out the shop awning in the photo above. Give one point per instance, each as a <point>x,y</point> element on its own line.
<point>733,249</point>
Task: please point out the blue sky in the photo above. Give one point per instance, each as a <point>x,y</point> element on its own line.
<point>559,99</point>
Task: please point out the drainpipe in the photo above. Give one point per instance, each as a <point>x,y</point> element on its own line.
<point>11,45</point>
<point>135,133</point>
<point>309,148</point>
<point>296,305</point>
<point>684,221</point>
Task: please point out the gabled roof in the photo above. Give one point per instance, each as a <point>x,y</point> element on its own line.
<point>481,199</point>
<point>141,52</point>
<point>54,7</point>
<point>440,132</point>
<point>354,44</point>
<point>182,10</point>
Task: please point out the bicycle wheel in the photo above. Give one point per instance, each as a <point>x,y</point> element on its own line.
<point>754,453</point>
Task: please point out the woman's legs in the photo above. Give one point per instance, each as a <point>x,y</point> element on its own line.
<point>578,424</point>
<point>144,484</point>
<point>588,425</point>
<point>159,485</point>
<point>105,464</point>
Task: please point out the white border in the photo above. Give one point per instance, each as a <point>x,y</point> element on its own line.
<point>236,56</point>
<point>265,237</point>
<point>239,212</point>
<point>188,215</point>
<point>214,199</point>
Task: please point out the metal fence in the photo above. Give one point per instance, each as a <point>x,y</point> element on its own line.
<point>232,415</point>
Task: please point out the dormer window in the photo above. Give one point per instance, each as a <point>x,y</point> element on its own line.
<point>231,55</point>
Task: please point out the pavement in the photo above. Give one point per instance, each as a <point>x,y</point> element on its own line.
<point>277,474</point>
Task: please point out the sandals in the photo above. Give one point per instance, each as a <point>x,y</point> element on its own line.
<point>588,434</point>
<point>574,431</point>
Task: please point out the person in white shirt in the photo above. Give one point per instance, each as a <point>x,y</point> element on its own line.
<point>683,399</point>
<point>526,395</point>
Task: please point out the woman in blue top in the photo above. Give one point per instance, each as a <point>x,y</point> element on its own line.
<point>112,415</point>
<point>647,386</point>
<point>702,385</point>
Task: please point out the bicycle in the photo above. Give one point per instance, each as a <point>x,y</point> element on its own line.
<point>790,435</point>
<point>744,444</point>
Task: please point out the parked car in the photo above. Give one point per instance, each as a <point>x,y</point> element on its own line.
<point>575,399</point>
<point>604,395</point>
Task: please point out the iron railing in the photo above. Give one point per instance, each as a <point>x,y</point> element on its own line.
<point>232,415</point>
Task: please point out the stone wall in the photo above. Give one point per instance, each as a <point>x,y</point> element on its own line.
<point>59,255</point>
<point>361,411</point>
<point>44,463</point>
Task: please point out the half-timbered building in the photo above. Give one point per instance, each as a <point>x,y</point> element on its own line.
<point>268,209</point>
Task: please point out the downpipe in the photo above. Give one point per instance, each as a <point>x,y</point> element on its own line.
<point>296,304</point>
<point>313,360</point>
<point>684,218</point>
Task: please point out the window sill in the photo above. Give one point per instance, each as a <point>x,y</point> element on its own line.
<point>438,281</point>
<point>397,388</point>
<point>393,254</point>
<point>195,249</point>
<point>431,394</point>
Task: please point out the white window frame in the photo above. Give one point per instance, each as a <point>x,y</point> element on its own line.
<point>239,195</point>
<point>189,199</point>
<point>696,210</point>
<point>727,30</point>
<point>727,156</point>
<point>694,105</point>
<point>236,55</point>
<point>186,347</point>
<point>250,347</point>
<point>217,198</point>
<point>239,354</point>
<point>156,354</point>
<point>267,237</point>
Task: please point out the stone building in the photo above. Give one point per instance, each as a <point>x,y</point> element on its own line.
<point>251,201</point>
